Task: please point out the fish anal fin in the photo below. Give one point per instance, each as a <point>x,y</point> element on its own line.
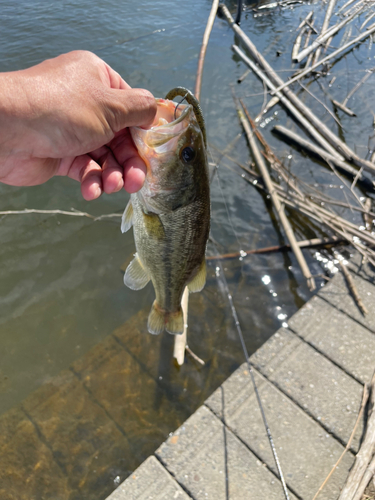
<point>127,217</point>
<point>136,277</point>
<point>199,280</point>
<point>156,319</point>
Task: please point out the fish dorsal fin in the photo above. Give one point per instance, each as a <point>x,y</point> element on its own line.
<point>199,280</point>
<point>127,217</point>
<point>136,277</point>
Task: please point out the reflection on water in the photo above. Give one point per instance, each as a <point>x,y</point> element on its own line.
<point>86,393</point>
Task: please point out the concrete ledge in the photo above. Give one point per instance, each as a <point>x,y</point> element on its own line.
<point>306,451</point>
<point>149,482</point>
<point>211,462</point>
<point>337,335</point>
<point>313,382</point>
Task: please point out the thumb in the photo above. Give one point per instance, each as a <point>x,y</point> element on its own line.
<point>129,108</point>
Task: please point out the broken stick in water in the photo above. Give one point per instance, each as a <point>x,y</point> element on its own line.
<point>358,39</point>
<point>325,25</point>
<point>270,77</point>
<point>343,108</point>
<point>365,396</point>
<point>353,289</point>
<point>274,197</point>
<point>322,38</point>
<point>313,243</point>
<point>355,487</point>
<point>309,146</point>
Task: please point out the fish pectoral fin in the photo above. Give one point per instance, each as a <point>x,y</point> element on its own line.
<point>127,217</point>
<point>153,225</point>
<point>136,277</point>
<point>199,280</point>
<point>160,320</point>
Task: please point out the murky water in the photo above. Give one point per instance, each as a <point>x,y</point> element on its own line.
<point>84,388</point>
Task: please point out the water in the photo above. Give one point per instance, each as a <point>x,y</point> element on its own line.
<point>84,388</point>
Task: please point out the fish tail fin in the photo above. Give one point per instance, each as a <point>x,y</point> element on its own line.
<point>156,319</point>
<point>160,320</point>
<point>175,323</point>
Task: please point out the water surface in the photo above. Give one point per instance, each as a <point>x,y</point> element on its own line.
<point>83,386</point>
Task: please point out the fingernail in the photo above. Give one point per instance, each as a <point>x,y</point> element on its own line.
<point>120,184</point>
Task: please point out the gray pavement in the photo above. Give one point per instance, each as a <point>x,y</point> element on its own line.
<point>310,378</point>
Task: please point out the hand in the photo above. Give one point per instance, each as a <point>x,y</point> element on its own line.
<point>69,116</point>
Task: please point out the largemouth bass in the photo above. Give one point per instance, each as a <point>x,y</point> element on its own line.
<point>171,213</point>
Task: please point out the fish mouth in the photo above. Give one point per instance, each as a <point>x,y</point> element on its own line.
<point>169,114</point>
<point>170,121</point>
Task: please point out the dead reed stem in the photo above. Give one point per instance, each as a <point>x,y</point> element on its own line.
<point>365,397</point>
<point>311,118</point>
<point>353,289</point>
<point>354,488</point>
<point>325,25</point>
<point>202,54</point>
<point>275,199</point>
<point>313,243</point>
<point>356,40</point>
<point>325,36</point>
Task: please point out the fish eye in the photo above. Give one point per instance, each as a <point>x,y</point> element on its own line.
<point>187,154</point>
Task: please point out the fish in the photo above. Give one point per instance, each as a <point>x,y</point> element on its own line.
<point>170,215</point>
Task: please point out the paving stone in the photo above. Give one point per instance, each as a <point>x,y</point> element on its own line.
<point>325,391</point>
<point>84,441</point>
<point>150,481</point>
<point>338,336</point>
<point>275,351</point>
<point>337,294</point>
<point>211,463</point>
<point>306,451</point>
<point>28,470</point>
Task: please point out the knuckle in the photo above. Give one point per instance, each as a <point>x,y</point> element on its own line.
<point>147,99</point>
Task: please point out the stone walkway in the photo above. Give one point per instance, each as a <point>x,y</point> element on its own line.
<point>310,377</point>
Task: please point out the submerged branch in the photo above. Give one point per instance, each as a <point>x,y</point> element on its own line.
<point>356,40</point>
<point>74,213</point>
<point>325,36</point>
<point>313,243</point>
